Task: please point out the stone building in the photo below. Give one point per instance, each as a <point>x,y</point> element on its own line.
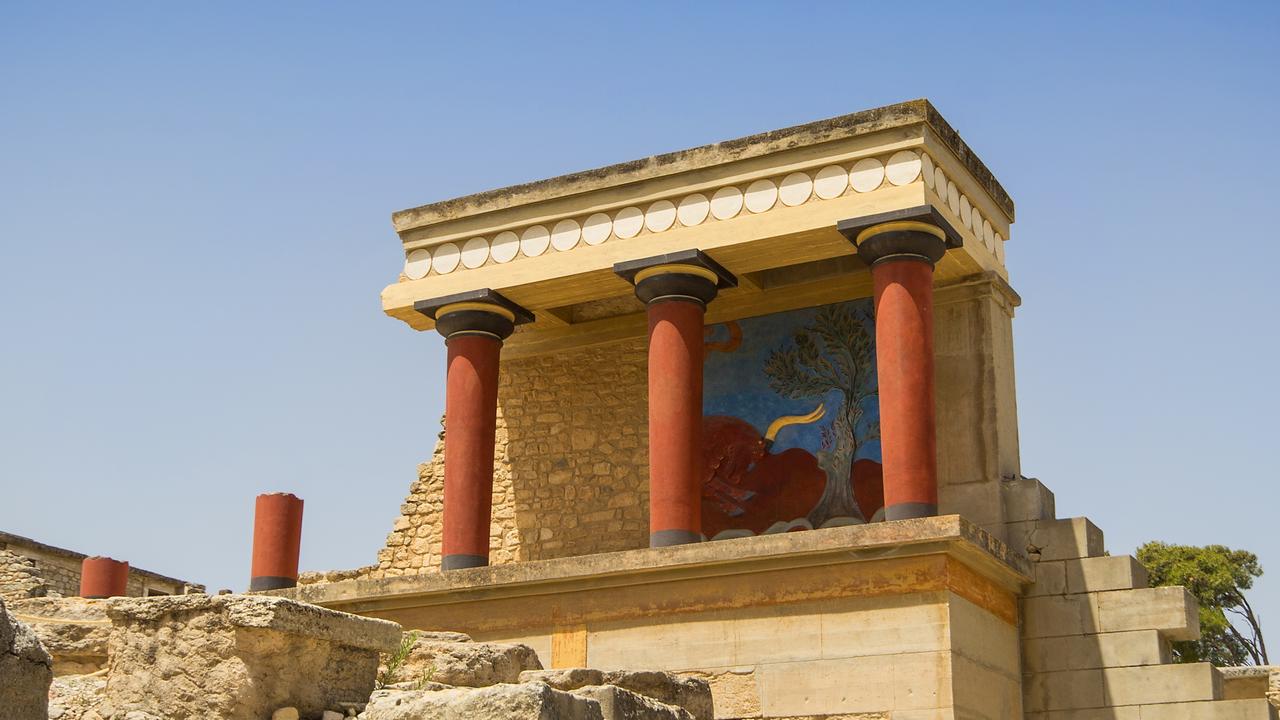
<point>747,412</point>
<point>29,568</point>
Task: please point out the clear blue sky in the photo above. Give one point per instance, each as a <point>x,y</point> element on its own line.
<point>194,225</point>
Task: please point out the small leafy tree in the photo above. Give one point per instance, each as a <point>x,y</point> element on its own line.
<point>1218,577</point>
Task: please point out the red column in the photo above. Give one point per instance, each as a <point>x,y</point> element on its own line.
<point>102,577</point>
<point>675,421</point>
<point>471,410</point>
<point>904,364</point>
<point>277,541</point>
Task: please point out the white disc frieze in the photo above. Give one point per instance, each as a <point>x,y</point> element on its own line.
<point>975,221</point>
<point>953,197</point>
<point>535,240</point>
<point>903,167</point>
<point>966,217</point>
<point>795,189</point>
<point>628,222</point>
<point>596,229</point>
<point>927,170</point>
<point>830,182</point>
<point>999,248</point>
<point>866,175</point>
<point>445,258</point>
<point>565,235</point>
<point>417,264</point>
<point>474,252</point>
<point>693,210</point>
<point>660,216</point>
<point>761,196</point>
<point>726,203</point>
<point>988,235</point>
<point>505,247</point>
<point>940,183</point>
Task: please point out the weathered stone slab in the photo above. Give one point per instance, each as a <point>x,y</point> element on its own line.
<point>74,631</point>
<point>25,671</point>
<point>238,656</point>
<point>526,701</point>
<point>468,664</point>
<point>692,694</point>
<point>564,678</point>
<point>619,704</point>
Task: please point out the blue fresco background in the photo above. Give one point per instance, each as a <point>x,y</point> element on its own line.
<point>736,384</point>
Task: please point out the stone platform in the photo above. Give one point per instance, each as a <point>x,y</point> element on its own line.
<point>915,617</point>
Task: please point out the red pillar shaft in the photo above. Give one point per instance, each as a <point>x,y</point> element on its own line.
<point>675,422</point>
<point>904,363</point>
<point>277,541</point>
<point>102,577</point>
<point>471,417</point>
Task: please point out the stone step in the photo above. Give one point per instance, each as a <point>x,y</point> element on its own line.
<point>1255,709</point>
<point>1026,499</point>
<point>1171,610</point>
<point>1046,540</point>
<point>1084,652</point>
<point>1208,710</point>
<point>1092,574</point>
<point>1108,687</point>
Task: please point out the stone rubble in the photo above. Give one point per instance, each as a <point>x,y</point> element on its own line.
<point>26,671</point>
<point>454,659</point>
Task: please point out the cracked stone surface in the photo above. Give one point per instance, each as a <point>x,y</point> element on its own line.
<point>25,671</point>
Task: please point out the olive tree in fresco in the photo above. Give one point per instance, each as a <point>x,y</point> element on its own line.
<point>835,352</point>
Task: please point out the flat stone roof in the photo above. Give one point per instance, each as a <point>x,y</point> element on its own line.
<point>888,117</point>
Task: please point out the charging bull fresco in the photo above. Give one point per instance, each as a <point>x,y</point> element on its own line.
<point>791,422</point>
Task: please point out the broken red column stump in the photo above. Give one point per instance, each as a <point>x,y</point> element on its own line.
<point>103,577</point>
<point>277,541</point>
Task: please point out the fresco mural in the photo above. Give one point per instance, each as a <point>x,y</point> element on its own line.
<point>791,422</point>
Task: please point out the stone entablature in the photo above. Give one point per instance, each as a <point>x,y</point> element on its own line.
<point>756,205</point>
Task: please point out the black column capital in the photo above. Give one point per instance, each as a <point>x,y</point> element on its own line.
<point>476,312</point>
<point>919,233</point>
<point>687,275</point>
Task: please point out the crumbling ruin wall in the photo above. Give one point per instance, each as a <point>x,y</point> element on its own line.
<point>19,578</point>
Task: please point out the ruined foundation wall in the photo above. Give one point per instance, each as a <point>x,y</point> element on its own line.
<point>38,570</point>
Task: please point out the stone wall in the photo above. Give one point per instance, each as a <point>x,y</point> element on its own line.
<point>19,578</point>
<point>571,465</point>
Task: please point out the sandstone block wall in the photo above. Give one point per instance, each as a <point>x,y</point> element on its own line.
<point>571,465</point>
<point>32,569</point>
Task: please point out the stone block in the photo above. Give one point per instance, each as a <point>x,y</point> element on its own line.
<point>884,683</point>
<point>1154,684</point>
<point>1027,499</point>
<point>564,678</point>
<point>1094,574</point>
<point>26,671</point>
<point>203,656</point>
<point>733,692</point>
<point>468,664</point>
<point>619,704</point>
<point>984,639</point>
<point>73,630</point>
<point>1131,712</point>
<point>1171,610</point>
<point>980,691</point>
<point>525,701</point>
<point>1067,539</point>
<point>692,694</point>
<point>1055,615</point>
<point>1066,690</point>
<point>1083,652</point>
<point>1249,681</point>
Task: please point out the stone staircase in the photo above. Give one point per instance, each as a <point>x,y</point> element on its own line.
<point>1095,637</point>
